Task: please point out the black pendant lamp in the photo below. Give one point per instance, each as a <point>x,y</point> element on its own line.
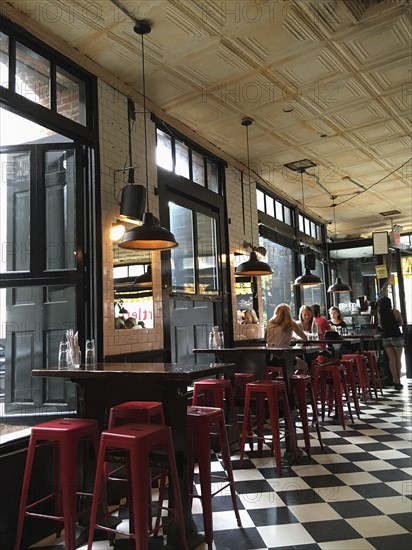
<point>338,285</point>
<point>150,235</point>
<point>308,278</point>
<point>145,280</point>
<point>253,267</point>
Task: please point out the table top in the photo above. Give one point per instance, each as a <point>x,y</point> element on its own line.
<point>139,371</point>
<point>260,349</point>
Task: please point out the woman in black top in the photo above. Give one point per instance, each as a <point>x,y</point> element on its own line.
<point>392,340</point>
<point>336,320</point>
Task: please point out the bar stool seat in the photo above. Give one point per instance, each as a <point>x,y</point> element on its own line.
<point>272,392</point>
<point>65,435</point>
<point>136,411</point>
<point>361,372</point>
<point>200,421</point>
<point>138,440</point>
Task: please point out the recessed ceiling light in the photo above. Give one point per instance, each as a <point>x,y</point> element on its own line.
<point>300,165</point>
<point>389,213</point>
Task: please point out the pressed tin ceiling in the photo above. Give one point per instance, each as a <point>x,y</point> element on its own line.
<point>329,81</point>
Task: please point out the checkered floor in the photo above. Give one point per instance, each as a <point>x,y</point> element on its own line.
<point>355,494</point>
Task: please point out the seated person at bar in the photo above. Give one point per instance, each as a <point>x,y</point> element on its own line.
<point>250,317</point>
<point>322,322</point>
<point>336,321</point>
<point>130,322</point>
<point>279,333</point>
<point>307,321</point>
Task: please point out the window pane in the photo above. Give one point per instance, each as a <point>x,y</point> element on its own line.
<point>60,208</point>
<point>15,211</point>
<point>313,229</point>
<point>301,224</point>
<point>316,294</point>
<point>212,176</point>
<point>207,254</point>
<point>277,289</point>
<point>71,96</point>
<point>182,160</point>
<point>32,76</point>
<point>260,200</point>
<point>4,60</point>
<point>288,215</point>
<point>198,169</point>
<point>183,257</point>
<point>307,226</point>
<point>279,211</point>
<point>270,206</point>
<point>33,321</point>
<point>164,156</point>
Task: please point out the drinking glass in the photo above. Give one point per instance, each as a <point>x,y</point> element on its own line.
<point>90,355</point>
<point>64,360</point>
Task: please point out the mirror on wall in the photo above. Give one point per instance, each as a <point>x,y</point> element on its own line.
<point>133,290</point>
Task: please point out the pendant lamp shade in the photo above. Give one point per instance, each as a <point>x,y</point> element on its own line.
<point>148,236</point>
<point>308,279</point>
<point>132,203</point>
<point>253,267</point>
<point>339,286</point>
<point>145,280</point>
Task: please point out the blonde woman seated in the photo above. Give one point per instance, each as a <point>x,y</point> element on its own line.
<point>279,332</point>
<point>307,320</point>
<point>250,317</point>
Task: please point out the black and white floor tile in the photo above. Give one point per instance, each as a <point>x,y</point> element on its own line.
<point>355,494</point>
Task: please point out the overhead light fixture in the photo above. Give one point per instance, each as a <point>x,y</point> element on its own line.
<point>117,231</point>
<point>308,278</point>
<point>150,235</point>
<point>253,267</point>
<point>144,280</point>
<point>338,285</point>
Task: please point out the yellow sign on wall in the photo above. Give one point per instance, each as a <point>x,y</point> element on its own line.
<point>381,271</point>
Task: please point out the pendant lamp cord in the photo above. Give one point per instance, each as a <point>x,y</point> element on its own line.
<point>334,224</point>
<point>145,128</point>
<point>249,180</point>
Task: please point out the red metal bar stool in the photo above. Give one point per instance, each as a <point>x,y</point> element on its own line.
<point>272,392</point>
<point>349,365</point>
<point>302,386</point>
<point>200,421</point>
<point>362,378</point>
<point>334,376</point>
<point>217,393</point>
<point>136,411</point>
<point>65,435</point>
<point>241,379</point>
<point>373,370</point>
<point>138,440</point>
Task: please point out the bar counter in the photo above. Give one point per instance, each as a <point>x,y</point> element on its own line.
<point>109,384</point>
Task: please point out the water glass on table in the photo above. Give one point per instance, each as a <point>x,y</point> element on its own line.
<point>64,359</point>
<point>90,355</point>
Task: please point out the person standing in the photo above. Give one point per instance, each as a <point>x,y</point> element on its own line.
<point>390,321</point>
<point>322,322</point>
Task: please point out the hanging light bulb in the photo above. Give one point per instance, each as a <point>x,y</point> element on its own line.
<point>253,267</point>
<point>117,231</point>
<point>338,285</point>
<point>308,278</point>
<point>150,235</point>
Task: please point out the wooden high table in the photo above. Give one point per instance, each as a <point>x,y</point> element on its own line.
<point>113,383</point>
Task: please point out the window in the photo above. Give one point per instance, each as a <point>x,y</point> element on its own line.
<point>277,289</point>
<point>32,76</point>
<point>188,163</point>
<point>4,60</point>
<point>195,261</point>
<point>274,207</point>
